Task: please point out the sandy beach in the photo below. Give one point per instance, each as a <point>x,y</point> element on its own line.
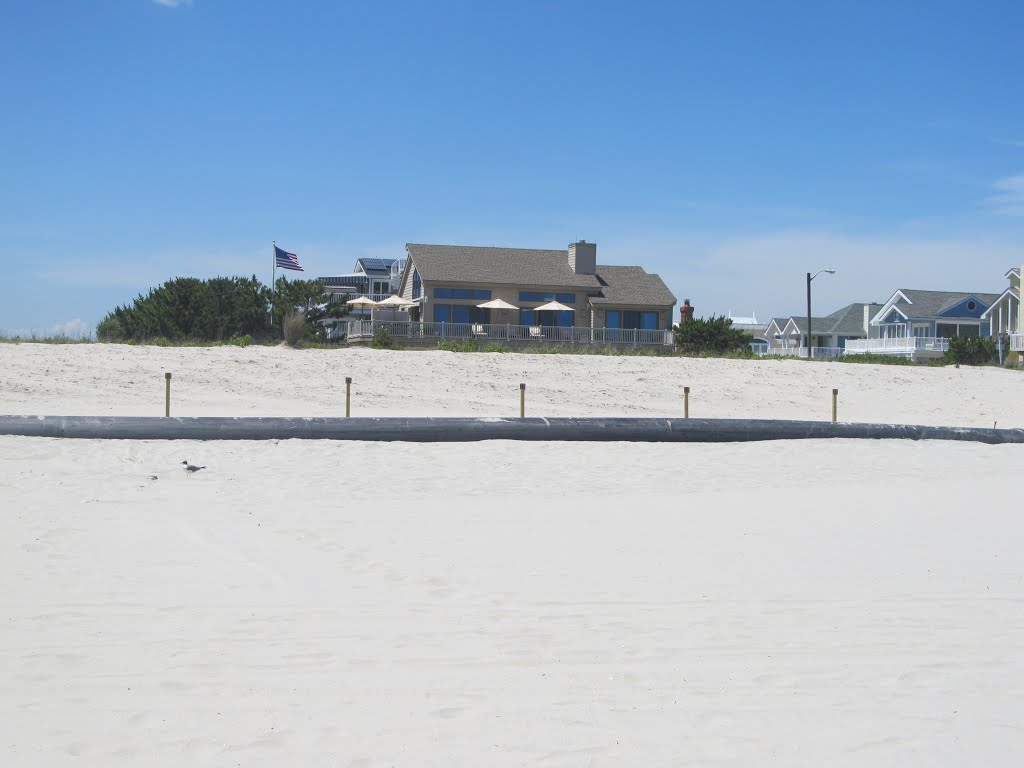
<point>553,604</point>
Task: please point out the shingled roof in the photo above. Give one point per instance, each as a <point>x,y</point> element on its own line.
<point>848,321</point>
<point>542,268</point>
<point>631,285</point>
<point>934,303</point>
<point>517,266</point>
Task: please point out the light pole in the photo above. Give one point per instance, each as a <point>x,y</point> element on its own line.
<point>809,278</point>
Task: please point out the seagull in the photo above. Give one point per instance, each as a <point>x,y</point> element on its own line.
<point>191,468</point>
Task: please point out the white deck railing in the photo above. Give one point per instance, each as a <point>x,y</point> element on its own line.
<point>406,329</point>
<point>1017,342</point>
<point>339,291</point>
<point>904,345</point>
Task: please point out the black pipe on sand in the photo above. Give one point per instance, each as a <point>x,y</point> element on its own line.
<point>459,429</point>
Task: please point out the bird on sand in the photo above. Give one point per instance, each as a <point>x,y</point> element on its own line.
<point>191,468</point>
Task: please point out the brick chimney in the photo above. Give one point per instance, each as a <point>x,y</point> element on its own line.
<point>583,258</point>
<point>685,311</point>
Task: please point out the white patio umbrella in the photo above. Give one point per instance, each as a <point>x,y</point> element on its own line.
<point>553,306</point>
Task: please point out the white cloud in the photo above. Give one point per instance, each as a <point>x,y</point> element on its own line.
<point>173,3</point>
<point>75,329</point>
<point>1009,197</point>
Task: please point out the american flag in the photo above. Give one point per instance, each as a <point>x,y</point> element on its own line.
<point>287,260</point>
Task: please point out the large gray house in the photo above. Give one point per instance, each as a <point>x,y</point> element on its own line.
<point>450,282</point>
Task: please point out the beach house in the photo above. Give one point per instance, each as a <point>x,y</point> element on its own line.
<point>376,278</point>
<point>1004,318</point>
<point>830,334</point>
<point>918,324</point>
<point>521,294</point>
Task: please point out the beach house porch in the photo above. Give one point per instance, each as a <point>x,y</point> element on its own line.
<point>364,330</point>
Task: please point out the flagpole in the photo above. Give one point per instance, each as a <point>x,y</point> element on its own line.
<point>273,277</point>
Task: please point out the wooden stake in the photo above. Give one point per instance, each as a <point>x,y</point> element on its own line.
<point>835,397</point>
<point>686,402</point>
<point>167,394</point>
<point>348,396</point>
<point>522,401</point>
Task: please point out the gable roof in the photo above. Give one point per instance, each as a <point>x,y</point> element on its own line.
<point>627,286</point>
<point>850,319</point>
<point>1012,293</point>
<point>913,303</point>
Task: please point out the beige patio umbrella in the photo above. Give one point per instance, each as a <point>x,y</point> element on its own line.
<point>497,304</point>
<point>362,301</point>
<point>394,301</point>
<point>553,306</point>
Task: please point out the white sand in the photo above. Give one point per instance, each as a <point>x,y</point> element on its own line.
<point>316,603</point>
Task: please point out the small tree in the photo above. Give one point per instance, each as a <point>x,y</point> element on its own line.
<point>714,336</point>
<point>310,298</point>
<point>971,350</point>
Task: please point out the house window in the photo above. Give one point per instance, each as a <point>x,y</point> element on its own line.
<point>613,319</point>
<point>564,298</point>
<point>462,293</point>
<point>632,320</point>
<point>972,305</point>
<point>561,319</point>
<point>417,284</point>
<point>460,313</point>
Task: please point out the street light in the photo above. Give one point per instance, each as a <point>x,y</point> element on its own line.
<point>809,278</point>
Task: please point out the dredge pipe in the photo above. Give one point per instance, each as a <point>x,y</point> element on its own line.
<point>448,429</point>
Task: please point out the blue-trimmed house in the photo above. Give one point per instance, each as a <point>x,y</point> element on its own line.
<point>918,324</point>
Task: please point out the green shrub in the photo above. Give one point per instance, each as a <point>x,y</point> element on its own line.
<point>295,329</point>
<point>971,350</point>
<point>711,337</point>
<point>382,339</point>
<point>874,359</point>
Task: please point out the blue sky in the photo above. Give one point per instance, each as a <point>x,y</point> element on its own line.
<point>728,146</point>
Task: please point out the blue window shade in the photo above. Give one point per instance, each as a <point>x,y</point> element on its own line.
<point>460,313</point>
<point>417,284</point>
<point>565,298</point>
<point>631,320</point>
<point>462,293</point>
<point>562,319</point>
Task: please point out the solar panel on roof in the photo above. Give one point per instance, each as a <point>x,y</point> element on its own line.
<point>384,264</point>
